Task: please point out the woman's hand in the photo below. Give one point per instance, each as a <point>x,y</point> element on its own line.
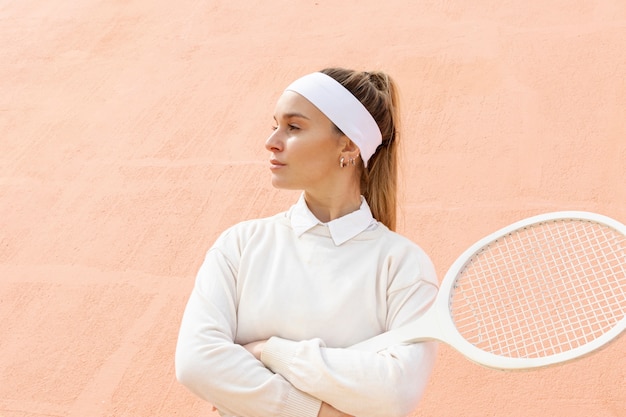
<point>327,410</point>
<point>256,348</point>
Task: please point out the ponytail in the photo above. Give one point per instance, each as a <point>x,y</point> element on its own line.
<point>379,181</point>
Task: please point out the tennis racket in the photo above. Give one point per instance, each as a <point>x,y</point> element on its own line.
<point>542,291</point>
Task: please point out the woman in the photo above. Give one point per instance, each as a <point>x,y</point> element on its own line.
<point>279,301</point>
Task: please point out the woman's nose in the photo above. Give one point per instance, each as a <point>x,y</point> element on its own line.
<point>274,143</point>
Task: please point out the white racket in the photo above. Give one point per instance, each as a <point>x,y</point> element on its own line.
<point>541,291</point>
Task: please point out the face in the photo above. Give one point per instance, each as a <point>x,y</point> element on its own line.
<point>305,146</point>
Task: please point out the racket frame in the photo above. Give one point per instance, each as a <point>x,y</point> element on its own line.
<point>437,324</point>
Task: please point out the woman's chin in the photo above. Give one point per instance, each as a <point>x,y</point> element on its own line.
<point>282,184</point>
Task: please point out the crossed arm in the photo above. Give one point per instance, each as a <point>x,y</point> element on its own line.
<point>297,377</point>
<point>326,410</point>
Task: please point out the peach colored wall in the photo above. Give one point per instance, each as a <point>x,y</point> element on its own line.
<point>131,134</point>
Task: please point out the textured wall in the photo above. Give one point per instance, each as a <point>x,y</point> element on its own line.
<point>131,134</point>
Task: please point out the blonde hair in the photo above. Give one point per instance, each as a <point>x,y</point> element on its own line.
<point>379,181</point>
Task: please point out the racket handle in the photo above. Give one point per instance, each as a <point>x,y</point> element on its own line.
<point>423,329</point>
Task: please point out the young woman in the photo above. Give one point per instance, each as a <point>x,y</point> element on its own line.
<point>279,301</point>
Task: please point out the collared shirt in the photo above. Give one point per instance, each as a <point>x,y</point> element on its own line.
<point>341,230</point>
<point>261,281</point>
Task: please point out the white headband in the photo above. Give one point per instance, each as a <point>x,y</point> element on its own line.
<point>342,108</point>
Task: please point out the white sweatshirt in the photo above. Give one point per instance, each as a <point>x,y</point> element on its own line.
<point>313,290</point>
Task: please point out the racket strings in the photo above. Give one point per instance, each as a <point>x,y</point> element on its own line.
<point>543,290</point>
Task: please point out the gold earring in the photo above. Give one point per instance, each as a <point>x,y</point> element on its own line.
<point>342,162</point>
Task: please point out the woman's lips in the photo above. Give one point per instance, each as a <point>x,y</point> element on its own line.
<point>275,164</point>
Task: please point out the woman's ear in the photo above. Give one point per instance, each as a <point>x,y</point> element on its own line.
<point>350,150</point>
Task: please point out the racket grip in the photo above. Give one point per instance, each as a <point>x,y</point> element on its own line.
<point>379,342</point>
<point>423,329</point>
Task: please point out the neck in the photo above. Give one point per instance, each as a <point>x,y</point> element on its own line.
<point>330,207</point>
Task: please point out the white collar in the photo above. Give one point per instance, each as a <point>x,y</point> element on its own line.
<point>341,229</point>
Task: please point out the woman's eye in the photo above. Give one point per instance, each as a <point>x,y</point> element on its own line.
<point>289,127</point>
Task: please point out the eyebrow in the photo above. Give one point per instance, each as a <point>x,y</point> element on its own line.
<point>292,115</point>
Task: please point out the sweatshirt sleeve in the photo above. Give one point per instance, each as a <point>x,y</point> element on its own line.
<point>212,366</point>
<point>389,383</point>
